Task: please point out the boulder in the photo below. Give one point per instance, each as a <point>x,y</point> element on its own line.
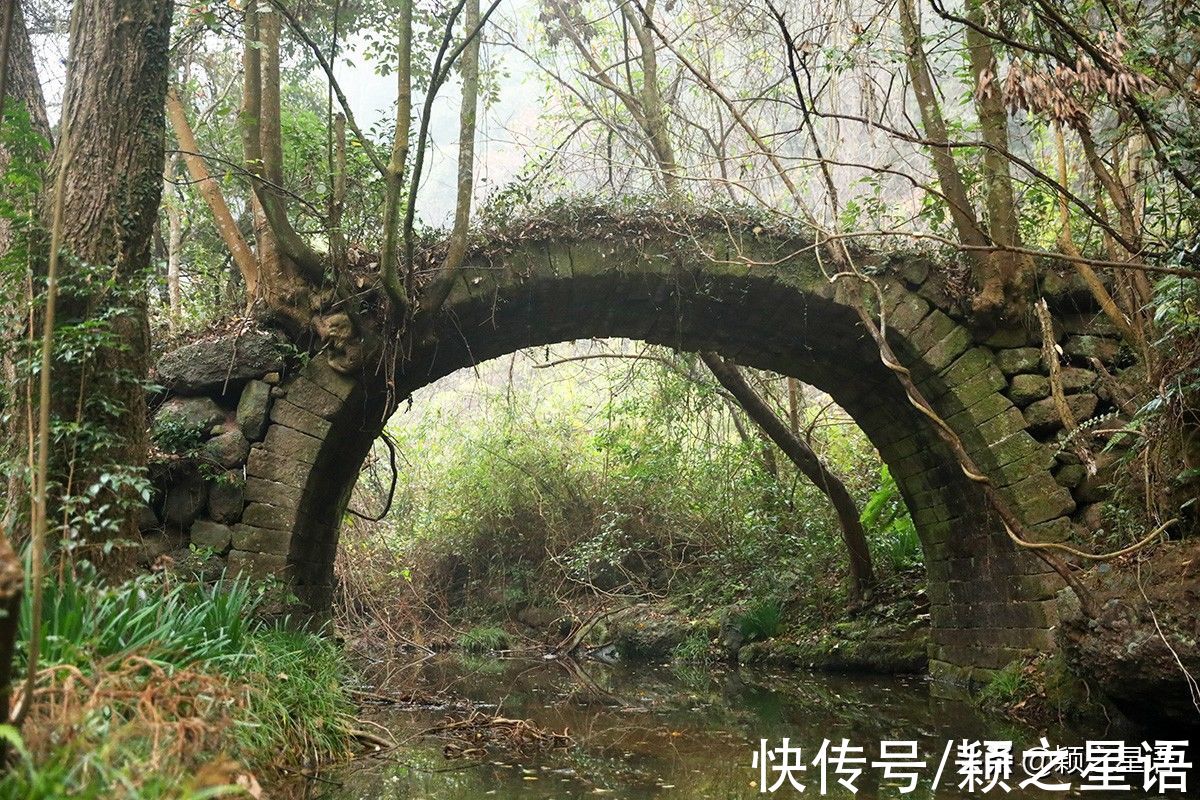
<point>156,545</point>
<point>648,636</point>
<point>197,413</point>
<point>226,497</point>
<point>1043,418</point>
<point>1084,348</point>
<point>1019,359</point>
<point>229,449</point>
<point>185,500</point>
<point>147,519</point>
<point>218,365</point>
<point>253,408</point>
<point>1027,388</point>
<point>213,535</point>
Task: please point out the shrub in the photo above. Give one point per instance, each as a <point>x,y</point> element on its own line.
<point>147,685</point>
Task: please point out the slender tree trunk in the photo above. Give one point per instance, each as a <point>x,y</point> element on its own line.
<point>962,213</point>
<point>862,574</point>
<point>1010,273</point>
<point>112,171</point>
<point>174,246</point>
<point>653,116</point>
<point>795,401</point>
<point>21,89</point>
<point>210,190</point>
<point>433,297</point>
<point>393,183</point>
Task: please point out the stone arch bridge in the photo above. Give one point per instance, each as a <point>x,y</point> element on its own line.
<point>286,446</point>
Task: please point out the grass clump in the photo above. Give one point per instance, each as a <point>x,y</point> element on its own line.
<point>762,621</point>
<point>484,639</point>
<point>1006,688</point>
<point>694,649</point>
<point>147,687</point>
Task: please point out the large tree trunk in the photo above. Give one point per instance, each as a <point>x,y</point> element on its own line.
<point>862,574</point>
<point>110,159</point>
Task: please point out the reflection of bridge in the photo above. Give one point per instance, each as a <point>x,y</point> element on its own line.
<point>755,300</point>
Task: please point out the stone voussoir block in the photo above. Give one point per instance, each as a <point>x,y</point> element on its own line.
<point>293,416</point>
<point>1039,498</point>
<point>980,412</point>
<point>310,396</point>
<point>1038,460</point>
<point>258,566</point>
<point>269,466</point>
<point>321,373</point>
<point>908,313</point>
<point>289,443</point>
<point>988,381</point>
<point>947,349</point>
<point>967,366</point>
<point>261,515</point>
<point>261,540</point>
<point>996,429</point>
<point>935,327</point>
<point>273,493</point>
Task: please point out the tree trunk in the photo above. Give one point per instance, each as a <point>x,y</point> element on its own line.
<point>174,245</point>
<point>435,295</point>
<point>210,190</point>
<point>862,574</point>
<point>110,161</point>
<point>24,90</point>
<point>1008,272</point>
<point>962,213</point>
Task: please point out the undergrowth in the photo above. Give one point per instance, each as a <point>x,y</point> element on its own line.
<point>161,688</point>
<point>630,483</point>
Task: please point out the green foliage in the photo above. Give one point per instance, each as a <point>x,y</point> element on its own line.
<point>694,649</point>
<point>173,434</point>
<point>179,624</point>
<point>627,482</point>
<point>265,695</point>
<point>298,698</point>
<point>762,621</point>
<point>1006,687</point>
<point>889,526</point>
<point>483,639</point>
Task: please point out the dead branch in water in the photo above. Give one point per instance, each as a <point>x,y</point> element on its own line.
<point>470,735</point>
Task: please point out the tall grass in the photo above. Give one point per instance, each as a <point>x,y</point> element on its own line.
<point>148,683</point>
<point>180,624</point>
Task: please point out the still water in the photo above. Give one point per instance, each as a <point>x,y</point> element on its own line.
<point>642,731</point>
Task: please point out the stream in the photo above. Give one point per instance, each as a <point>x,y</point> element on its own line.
<point>642,731</point>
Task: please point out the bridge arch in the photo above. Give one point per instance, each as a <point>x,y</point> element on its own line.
<point>761,301</point>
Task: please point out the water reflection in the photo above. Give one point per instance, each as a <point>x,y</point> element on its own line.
<point>658,731</point>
